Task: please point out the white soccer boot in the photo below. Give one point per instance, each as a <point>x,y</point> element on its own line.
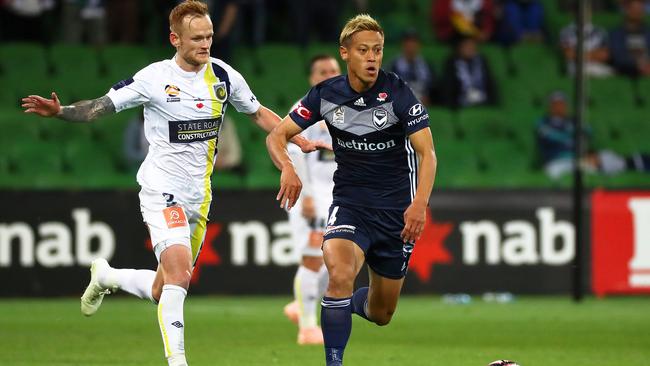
<point>92,298</point>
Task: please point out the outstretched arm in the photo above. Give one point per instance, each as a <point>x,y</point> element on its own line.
<point>415,214</point>
<point>276,143</point>
<point>82,111</point>
<point>267,120</point>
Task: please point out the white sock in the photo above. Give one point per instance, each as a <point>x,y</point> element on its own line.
<point>134,281</point>
<point>170,319</point>
<point>177,360</point>
<point>305,290</point>
<point>323,280</point>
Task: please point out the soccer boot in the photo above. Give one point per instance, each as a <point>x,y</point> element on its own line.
<point>311,335</point>
<point>292,311</point>
<point>92,298</point>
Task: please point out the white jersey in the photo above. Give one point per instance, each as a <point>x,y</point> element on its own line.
<point>316,169</point>
<point>320,164</point>
<point>183,113</point>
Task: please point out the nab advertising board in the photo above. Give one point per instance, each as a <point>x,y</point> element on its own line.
<point>518,241</point>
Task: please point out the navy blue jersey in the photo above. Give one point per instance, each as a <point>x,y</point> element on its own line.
<point>377,166</point>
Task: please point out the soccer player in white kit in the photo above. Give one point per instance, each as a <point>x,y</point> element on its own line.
<point>184,102</point>
<point>309,217</point>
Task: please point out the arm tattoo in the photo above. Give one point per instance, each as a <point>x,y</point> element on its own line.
<point>87,110</point>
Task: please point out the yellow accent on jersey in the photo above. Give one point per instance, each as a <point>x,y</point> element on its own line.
<point>217,108</point>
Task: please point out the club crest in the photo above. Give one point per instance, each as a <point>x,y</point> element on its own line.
<point>220,91</point>
<point>379,117</point>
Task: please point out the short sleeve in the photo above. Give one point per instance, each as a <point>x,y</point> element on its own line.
<point>307,111</point>
<point>132,92</point>
<point>410,111</point>
<point>241,96</point>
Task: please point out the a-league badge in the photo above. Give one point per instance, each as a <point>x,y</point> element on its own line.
<point>339,116</point>
<point>220,91</point>
<point>379,117</point>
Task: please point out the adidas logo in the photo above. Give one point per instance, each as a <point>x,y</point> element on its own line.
<point>360,103</point>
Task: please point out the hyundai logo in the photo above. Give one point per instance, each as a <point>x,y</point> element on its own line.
<point>416,110</point>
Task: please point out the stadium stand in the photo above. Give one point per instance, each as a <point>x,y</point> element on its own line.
<point>482,147</point>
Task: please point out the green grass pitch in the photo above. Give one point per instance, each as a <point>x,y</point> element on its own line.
<point>253,331</point>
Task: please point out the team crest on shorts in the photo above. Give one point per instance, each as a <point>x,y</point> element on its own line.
<point>379,117</point>
<point>220,91</point>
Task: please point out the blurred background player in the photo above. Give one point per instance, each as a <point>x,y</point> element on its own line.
<point>385,171</point>
<point>184,102</point>
<point>308,220</point>
<point>411,67</point>
<point>555,144</point>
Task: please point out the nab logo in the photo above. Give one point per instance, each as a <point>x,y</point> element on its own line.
<point>416,110</point>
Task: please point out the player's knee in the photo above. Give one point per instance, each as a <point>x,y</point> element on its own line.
<point>341,280</point>
<point>179,278</point>
<point>341,277</point>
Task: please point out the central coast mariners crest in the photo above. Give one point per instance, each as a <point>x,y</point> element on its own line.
<point>220,91</point>
<point>379,117</point>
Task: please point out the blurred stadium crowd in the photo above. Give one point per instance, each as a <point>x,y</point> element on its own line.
<point>496,76</point>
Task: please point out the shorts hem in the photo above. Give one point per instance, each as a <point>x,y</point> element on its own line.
<point>345,236</point>
<point>160,247</point>
<point>384,274</point>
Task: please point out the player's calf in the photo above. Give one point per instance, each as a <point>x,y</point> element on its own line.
<point>381,317</point>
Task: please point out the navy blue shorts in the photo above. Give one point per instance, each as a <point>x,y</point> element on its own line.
<point>377,233</point>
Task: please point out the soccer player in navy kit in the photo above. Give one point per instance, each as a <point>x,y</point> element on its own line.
<point>386,167</point>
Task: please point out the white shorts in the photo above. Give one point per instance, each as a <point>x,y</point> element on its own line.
<point>171,221</point>
<point>300,231</point>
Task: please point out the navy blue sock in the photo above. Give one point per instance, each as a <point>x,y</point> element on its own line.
<point>336,321</point>
<point>359,301</point>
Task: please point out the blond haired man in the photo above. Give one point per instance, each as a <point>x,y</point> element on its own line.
<point>184,101</point>
<point>386,167</point>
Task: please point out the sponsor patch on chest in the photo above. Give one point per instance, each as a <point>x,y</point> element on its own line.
<point>182,132</point>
